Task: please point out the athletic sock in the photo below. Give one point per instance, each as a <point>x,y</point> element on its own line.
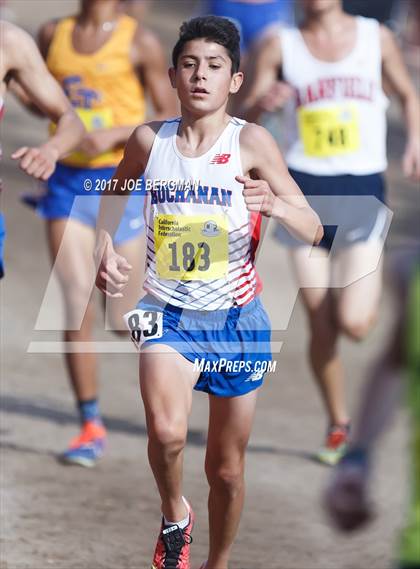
<point>345,426</point>
<point>183,523</point>
<point>89,411</point>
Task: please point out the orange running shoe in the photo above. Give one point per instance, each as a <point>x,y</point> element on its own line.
<point>173,545</point>
<point>336,444</point>
<point>87,447</point>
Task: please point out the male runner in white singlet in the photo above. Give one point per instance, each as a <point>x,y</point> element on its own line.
<point>335,124</point>
<point>201,324</point>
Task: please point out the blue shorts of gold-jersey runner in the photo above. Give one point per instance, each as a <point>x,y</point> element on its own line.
<point>75,193</point>
<point>231,348</point>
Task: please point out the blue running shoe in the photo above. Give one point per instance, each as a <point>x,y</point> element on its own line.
<point>88,447</point>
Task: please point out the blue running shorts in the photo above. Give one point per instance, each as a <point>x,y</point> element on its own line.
<point>67,198</point>
<point>231,348</point>
<point>346,219</point>
<point>252,19</point>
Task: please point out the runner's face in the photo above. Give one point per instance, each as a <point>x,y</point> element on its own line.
<point>203,76</point>
<point>320,7</point>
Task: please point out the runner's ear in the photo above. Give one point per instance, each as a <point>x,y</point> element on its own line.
<point>236,82</point>
<point>172,74</point>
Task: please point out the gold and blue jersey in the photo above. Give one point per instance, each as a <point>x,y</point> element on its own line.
<point>102,86</point>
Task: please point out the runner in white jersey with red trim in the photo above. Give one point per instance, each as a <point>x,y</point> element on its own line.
<point>204,191</point>
<point>209,176</point>
<point>335,66</point>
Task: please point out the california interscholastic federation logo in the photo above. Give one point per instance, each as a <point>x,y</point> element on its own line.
<point>210,229</point>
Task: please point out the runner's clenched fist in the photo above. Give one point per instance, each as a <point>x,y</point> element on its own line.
<point>258,195</point>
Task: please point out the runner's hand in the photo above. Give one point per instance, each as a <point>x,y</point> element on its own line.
<point>37,162</point>
<point>346,498</point>
<point>113,270</point>
<point>258,195</point>
<point>276,96</point>
<point>411,160</point>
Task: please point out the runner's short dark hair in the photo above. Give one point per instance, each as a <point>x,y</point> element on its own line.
<point>213,29</point>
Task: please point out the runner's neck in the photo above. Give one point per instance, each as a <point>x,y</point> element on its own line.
<point>99,14</point>
<point>334,41</point>
<point>195,134</point>
<point>330,23</point>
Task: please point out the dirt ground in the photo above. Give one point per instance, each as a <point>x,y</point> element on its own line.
<point>107,517</point>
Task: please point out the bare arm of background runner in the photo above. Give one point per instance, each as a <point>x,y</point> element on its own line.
<point>262,91</point>
<point>45,36</point>
<point>150,60</point>
<point>25,65</point>
<point>396,74</point>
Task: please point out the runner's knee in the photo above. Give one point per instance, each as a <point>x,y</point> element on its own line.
<point>356,328</point>
<point>228,478</point>
<point>168,434</point>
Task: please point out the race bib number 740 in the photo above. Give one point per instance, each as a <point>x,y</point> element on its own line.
<point>144,325</point>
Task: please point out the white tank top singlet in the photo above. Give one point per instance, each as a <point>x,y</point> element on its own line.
<point>201,239</point>
<point>336,122</point>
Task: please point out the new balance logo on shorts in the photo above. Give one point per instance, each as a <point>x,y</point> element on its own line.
<point>256,376</point>
<point>220,159</point>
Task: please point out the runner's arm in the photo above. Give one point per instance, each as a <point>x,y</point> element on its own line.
<point>28,69</point>
<point>262,91</point>
<point>149,58</point>
<point>274,193</point>
<point>113,269</point>
<point>45,37</point>
<point>396,75</point>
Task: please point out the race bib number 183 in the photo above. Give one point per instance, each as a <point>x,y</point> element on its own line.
<point>191,247</point>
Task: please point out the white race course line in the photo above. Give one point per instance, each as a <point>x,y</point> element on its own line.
<point>126,347</point>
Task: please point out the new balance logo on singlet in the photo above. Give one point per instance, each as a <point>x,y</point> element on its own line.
<point>220,159</point>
